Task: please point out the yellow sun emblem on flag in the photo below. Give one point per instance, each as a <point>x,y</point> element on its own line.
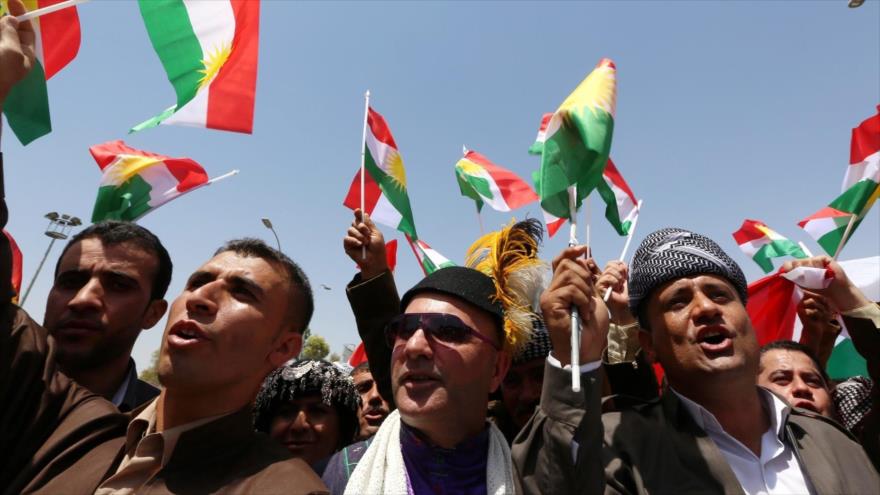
<point>393,166</point>
<point>213,63</point>
<point>468,167</point>
<point>125,167</point>
<point>597,91</point>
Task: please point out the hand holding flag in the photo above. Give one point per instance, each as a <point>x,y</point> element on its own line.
<point>838,288</point>
<point>364,237</point>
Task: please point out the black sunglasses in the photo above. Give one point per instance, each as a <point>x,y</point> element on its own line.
<point>441,327</point>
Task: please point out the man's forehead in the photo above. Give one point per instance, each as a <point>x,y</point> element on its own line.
<point>229,263</point>
<point>91,252</point>
<point>786,359</point>
<point>696,280</point>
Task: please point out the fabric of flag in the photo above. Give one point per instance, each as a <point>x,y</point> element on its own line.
<point>16,265</point>
<point>58,39</point>
<point>358,356</point>
<point>385,195</point>
<point>538,146</point>
<point>209,51</point>
<point>484,182</point>
<point>578,141</point>
<point>864,156</point>
<point>827,227</point>
<point>621,205</point>
<point>552,222</point>
<point>429,259</point>
<point>761,243</point>
<point>772,307</point>
<point>135,182</point>
<point>391,254</point>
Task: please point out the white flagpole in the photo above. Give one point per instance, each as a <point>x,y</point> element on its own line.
<point>629,237</point>
<point>363,157</point>
<point>805,249</point>
<point>846,233</point>
<point>575,316</point>
<point>48,10</point>
<point>212,181</point>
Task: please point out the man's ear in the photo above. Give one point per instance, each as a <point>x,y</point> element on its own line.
<point>647,344</point>
<point>155,311</point>
<point>502,364</point>
<point>287,346</point>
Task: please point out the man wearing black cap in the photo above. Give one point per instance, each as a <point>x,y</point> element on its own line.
<point>715,430</point>
<point>447,354</point>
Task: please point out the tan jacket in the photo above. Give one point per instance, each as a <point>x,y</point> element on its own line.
<point>656,447</point>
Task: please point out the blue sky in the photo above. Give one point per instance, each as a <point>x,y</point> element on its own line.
<point>726,111</point>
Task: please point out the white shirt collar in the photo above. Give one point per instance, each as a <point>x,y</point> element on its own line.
<point>707,421</point>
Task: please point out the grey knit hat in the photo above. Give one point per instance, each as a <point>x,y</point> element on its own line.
<point>673,253</point>
<point>538,346</point>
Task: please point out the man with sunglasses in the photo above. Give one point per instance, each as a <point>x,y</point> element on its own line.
<point>446,357</point>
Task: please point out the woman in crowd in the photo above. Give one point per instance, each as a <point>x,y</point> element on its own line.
<point>310,407</point>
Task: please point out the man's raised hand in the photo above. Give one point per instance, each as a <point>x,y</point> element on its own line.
<point>17,42</point>
<point>843,295</point>
<point>364,237</point>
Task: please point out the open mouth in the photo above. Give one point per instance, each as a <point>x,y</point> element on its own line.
<point>419,380</point>
<point>185,333</point>
<point>715,339</point>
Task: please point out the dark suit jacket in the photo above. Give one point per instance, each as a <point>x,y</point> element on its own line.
<point>656,447</point>
<point>866,339</point>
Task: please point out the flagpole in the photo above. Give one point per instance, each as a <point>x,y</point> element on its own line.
<point>587,220</point>
<point>480,218</point>
<point>846,233</point>
<point>363,157</point>
<point>48,10</point>
<point>575,316</point>
<point>805,249</point>
<point>629,237</point>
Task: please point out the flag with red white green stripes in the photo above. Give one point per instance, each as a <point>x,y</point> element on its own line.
<point>385,195</point>
<point>429,259</point>
<point>209,51</point>
<point>538,146</point>
<point>58,38</point>
<point>484,182</point>
<point>761,243</point>
<point>621,205</point>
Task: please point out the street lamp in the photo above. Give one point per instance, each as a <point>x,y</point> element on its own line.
<point>268,224</point>
<point>58,229</point>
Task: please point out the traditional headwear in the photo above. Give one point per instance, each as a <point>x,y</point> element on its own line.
<point>463,283</point>
<point>307,377</point>
<point>538,346</point>
<point>673,253</point>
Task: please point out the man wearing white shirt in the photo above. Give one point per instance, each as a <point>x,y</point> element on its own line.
<point>715,430</point>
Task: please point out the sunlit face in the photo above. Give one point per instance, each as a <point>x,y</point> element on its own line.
<point>521,390</point>
<point>229,327</point>
<point>792,375</point>
<point>440,384</point>
<point>373,409</point>
<point>100,301</point>
<point>699,328</point>
<point>308,428</point>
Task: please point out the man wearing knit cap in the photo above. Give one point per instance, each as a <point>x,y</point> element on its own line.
<point>714,430</point>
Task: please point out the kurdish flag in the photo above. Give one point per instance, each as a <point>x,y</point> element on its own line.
<point>429,259</point>
<point>761,243</point>
<point>827,227</point>
<point>864,156</point>
<point>485,182</point>
<point>16,265</point>
<point>553,222</point>
<point>57,43</point>
<point>385,196</point>
<point>578,141</point>
<point>135,182</point>
<point>621,207</point>
<point>538,146</point>
<point>209,51</point>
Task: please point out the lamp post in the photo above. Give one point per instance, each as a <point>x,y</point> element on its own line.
<point>58,229</point>
<point>268,224</point>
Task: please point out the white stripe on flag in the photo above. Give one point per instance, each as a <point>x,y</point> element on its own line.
<point>818,227</point>
<point>163,184</point>
<point>497,201</point>
<point>868,169</point>
<point>213,23</point>
<point>752,247</point>
<point>385,213</point>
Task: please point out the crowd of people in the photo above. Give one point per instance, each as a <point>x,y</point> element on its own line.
<point>467,385</point>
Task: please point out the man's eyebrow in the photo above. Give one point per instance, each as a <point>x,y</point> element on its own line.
<point>242,280</point>
<point>199,275</point>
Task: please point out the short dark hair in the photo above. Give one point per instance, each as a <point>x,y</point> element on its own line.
<point>361,368</point>
<point>113,232</point>
<point>256,248</point>
<point>790,345</point>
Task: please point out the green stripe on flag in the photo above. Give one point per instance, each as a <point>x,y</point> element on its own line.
<point>845,361</point>
<point>27,106</point>
<point>776,249</point>
<point>472,187</point>
<point>128,201</point>
<point>611,212</point>
<point>395,194</point>
<point>171,32</point>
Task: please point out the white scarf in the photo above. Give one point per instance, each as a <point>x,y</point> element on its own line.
<point>381,471</point>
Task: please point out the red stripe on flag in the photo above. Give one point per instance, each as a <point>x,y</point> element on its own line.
<point>372,193</point>
<point>865,139</point>
<point>772,309</point>
<point>60,36</point>
<point>233,91</point>
<point>380,128</point>
<point>106,153</point>
<point>748,232</point>
<point>16,263</point>
<point>827,212</point>
<point>412,245</point>
<point>391,254</point>
<point>553,227</point>
<point>545,121</point>
<point>516,191</point>
<point>188,173</point>
<point>614,176</point>
<point>358,356</point>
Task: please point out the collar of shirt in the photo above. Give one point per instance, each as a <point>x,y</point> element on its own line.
<point>130,379</point>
